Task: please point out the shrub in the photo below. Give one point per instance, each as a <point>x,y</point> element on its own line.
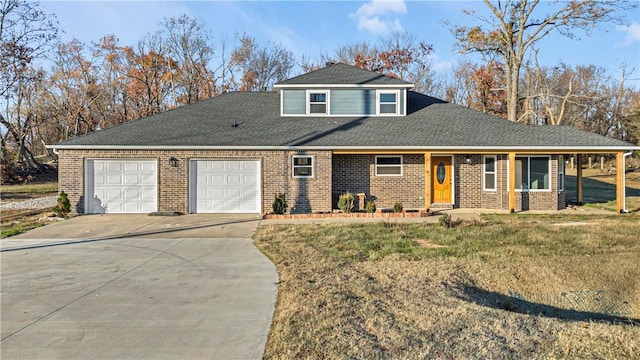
<point>280,204</point>
<point>397,207</point>
<point>370,207</point>
<point>345,202</point>
<point>445,221</point>
<point>64,206</point>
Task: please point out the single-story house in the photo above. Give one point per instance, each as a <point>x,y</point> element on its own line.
<point>331,131</point>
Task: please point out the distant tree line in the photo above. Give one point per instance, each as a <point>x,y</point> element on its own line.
<point>89,87</point>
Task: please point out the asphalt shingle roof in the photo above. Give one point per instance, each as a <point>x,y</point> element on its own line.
<point>343,74</point>
<point>430,122</point>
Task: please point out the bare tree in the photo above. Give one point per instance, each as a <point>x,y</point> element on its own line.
<point>400,55</point>
<point>26,34</point>
<point>514,27</point>
<point>189,44</point>
<point>261,67</point>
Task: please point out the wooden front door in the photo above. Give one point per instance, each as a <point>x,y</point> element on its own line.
<point>441,179</point>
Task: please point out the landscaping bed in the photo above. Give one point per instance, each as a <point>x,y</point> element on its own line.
<point>382,214</point>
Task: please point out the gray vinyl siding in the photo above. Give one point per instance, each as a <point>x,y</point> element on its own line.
<point>294,102</point>
<point>353,102</point>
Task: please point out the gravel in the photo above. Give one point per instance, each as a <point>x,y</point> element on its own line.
<point>38,203</point>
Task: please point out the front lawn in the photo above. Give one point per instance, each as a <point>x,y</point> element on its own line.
<point>513,286</point>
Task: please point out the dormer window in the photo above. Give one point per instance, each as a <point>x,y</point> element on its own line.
<point>317,102</point>
<point>388,102</point>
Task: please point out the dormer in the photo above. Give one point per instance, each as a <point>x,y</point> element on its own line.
<point>343,90</point>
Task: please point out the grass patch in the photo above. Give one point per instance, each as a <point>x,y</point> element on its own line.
<point>517,286</point>
<point>15,229</point>
<point>22,192</point>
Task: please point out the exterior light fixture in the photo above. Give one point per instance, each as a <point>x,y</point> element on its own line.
<point>467,159</point>
<point>173,162</point>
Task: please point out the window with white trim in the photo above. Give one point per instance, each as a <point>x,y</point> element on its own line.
<point>489,173</point>
<point>317,102</point>
<point>561,173</point>
<point>533,173</point>
<point>302,166</point>
<point>388,102</point>
<point>388,165</point>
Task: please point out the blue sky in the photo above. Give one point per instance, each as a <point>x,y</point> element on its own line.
<point>315,27</point>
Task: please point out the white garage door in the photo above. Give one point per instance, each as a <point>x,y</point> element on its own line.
<point>225,186</point>
<point>121,186</point>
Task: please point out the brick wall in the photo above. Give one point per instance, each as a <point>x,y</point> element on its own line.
<point>333,175</point>
<point>356,174</point>
<point>469,191</point>
<point>303,194</point>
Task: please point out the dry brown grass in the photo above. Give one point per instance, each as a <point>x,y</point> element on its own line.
<point>516,287</point>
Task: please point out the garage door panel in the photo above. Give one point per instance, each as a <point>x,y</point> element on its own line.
<point>234,179</point>
<point>113,179</point>
<point>225,186</point>
<point>148,196</point>
<point>114,207</point>
<point>121,186</point>
<point>215,166</point>
<point>234,193</point>
<point>132,194</point>
<point>216,180</point>
<point>131,166</point>
<point>131,179</point>
<point>250,180</point>
<point>148,179</point>
<point>250,194</point>
<point>114,195</point>
<point>234,165</point>
<point>115,166</point>
<point>148,167</point>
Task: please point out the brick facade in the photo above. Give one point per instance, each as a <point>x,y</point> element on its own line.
<point>304,195</point>
<point>333,175</point>
<point>357,174</point>
<point>469,191</point>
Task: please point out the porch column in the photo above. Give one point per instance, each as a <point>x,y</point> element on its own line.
<point>579,179</point>
<point>512,182</point>
<point>619,182</point>
<point>427,180</point>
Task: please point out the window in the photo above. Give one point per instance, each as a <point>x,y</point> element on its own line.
<point>388,102</point>
<point>318,102</point>
<point>388,165</point>
<point>532,173</point>
<point>561,173</point>
<point>302,166</point>
<point>489,171</point>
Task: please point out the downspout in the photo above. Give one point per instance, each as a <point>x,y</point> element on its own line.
<point>624,180</point>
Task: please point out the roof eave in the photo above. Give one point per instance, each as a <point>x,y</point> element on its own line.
<point>369,86</point>
<point>456,149</point>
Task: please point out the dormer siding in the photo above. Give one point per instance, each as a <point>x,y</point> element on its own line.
<point>345,101</point>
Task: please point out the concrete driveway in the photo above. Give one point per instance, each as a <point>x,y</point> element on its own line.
<point>137,287</point>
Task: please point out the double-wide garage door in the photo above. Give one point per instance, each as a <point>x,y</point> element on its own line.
<point>121,186</point>
<point>224,186</point>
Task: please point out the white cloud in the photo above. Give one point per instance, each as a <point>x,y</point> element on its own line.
<point>373,16</point>
<point>633,33</point>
